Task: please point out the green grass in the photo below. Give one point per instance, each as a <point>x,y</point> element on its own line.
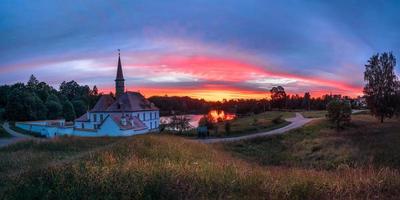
<point>314,114</point>
<point>169,167</point>
<point>313,162</point>
<point>4,133</point>
<point>318,146</point>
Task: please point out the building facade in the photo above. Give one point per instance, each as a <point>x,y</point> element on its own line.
<point>129,113</point>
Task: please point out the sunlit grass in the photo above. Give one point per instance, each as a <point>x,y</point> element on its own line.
<point>318,145</point>
<point>170,167</point>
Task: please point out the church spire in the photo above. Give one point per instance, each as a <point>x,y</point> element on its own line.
<point>119,80</point>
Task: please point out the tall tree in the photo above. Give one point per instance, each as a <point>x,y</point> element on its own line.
<point>32,83</point>
<point>381,85</point>
<point>307,101</point>
<point>278,97</point>
<point>80,107</point>
<point>54,108</point>
<point>68,110</point>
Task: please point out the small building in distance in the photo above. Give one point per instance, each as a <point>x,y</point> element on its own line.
<point>129,113</point>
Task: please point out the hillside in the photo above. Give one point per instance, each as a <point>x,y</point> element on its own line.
<point>365,142</point>
<point>170,167</point>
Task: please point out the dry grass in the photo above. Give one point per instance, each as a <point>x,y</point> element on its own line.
<point>318,146</point>
<point>314,114</point>
<point>169,167</point>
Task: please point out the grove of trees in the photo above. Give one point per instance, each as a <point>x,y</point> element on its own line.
<point>37,100</point>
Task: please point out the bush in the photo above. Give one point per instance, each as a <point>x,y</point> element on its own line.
<point>339,112</point>
<point>277,120</point>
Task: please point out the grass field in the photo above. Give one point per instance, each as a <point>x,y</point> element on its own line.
<point>170,167</point>
<point>363,143</point>
<point>314,114</point>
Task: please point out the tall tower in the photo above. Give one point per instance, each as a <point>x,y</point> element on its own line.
<point>119,80</point>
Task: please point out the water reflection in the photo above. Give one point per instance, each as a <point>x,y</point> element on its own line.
<point>215,115</point>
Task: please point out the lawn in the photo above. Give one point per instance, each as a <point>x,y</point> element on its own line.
<point>365,142</point>
<point>170,167</point>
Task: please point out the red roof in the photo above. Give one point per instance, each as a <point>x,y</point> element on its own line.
<point>131,102</point>
<point>132,122</point>
<point>104,102</point>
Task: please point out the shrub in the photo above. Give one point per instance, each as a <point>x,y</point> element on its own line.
<point>277,120</point>
<point>339,112</point>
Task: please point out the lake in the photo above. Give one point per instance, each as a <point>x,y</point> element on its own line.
<point>194,119</point>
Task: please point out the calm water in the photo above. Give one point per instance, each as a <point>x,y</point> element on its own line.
<point>194,119</point>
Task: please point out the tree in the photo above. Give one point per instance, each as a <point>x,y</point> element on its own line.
<point>381,85</point>
<point>68,110</point>
<point>339,112</point>
<point>80,107</point>
<point>180,123</point>
<point>278,97</point>
<point>54,109</point>
<point>23,105</point>
<point>32,83</point>
<point>307,101</point>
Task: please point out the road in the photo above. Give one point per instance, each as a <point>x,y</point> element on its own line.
<point>296,122</point>
<point>16,137</point>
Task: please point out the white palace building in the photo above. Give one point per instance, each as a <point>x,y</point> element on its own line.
<point>130,113</point>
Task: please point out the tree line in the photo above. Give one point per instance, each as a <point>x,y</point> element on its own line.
<point>174,105</point>
<point>37,100</point>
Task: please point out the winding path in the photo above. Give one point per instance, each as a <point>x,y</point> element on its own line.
<point>16,137</point>
<point>296,122</point>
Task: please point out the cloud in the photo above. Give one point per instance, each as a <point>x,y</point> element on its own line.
<point>179,47</point>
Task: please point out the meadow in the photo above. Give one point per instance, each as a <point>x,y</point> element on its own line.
<point>364,142</point>
<point>158,166</point>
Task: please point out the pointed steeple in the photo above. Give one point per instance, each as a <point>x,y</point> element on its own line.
<point>119,80</point>
<point>120,75</point>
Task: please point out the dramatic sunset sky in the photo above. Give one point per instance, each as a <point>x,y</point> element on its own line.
<point>210,49</point>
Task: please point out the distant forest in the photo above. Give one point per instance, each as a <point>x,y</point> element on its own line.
<point>37,100</point>
<point>187,105</point>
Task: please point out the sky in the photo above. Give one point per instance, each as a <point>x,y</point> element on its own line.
<point>211,49</point>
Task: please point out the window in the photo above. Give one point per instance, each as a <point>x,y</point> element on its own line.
<point>151,125</point>
<point>144,116</point>
<point>101,117</point>
<point>94,117</point>
<point>82,125</point>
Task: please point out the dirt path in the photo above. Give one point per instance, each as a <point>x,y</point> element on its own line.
<point>16,137</point>
<point>296,122</point>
